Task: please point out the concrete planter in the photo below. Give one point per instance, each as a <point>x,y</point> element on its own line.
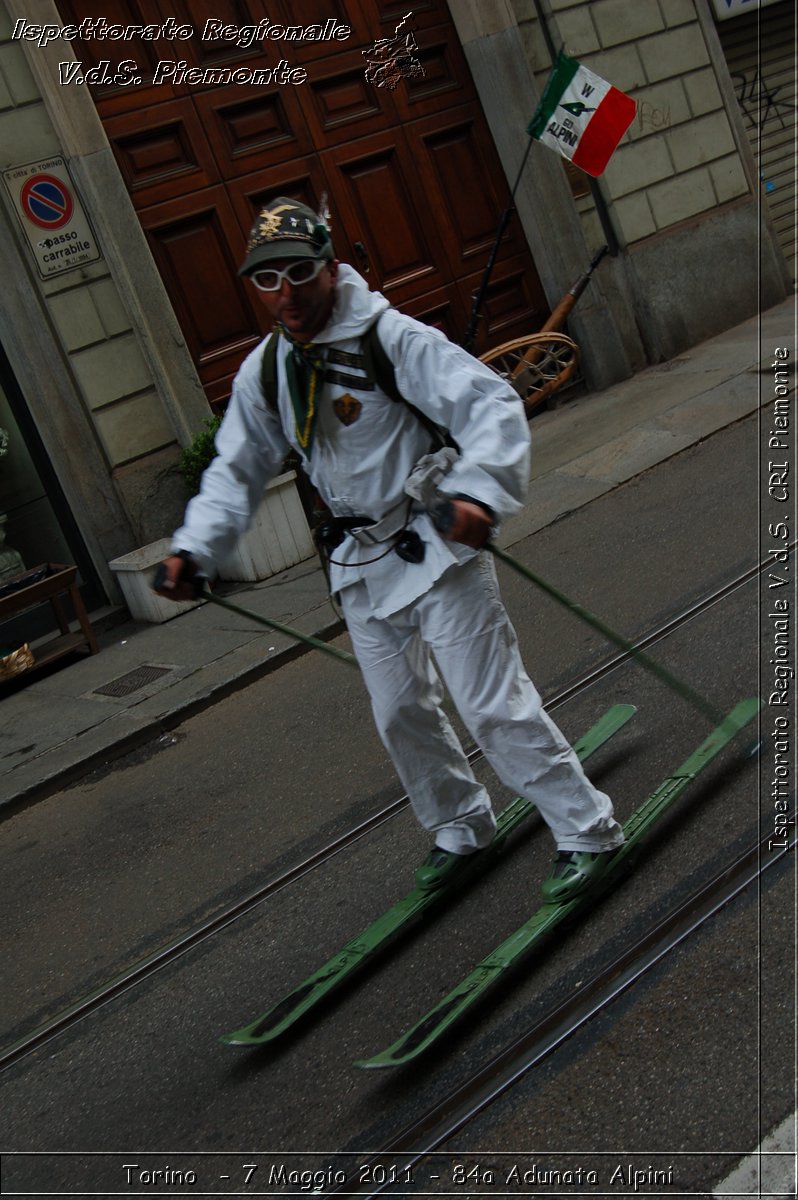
<point>134,573</point>
<point>278,538</point>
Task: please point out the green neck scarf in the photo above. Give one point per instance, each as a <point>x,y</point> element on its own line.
<point>304,370</point>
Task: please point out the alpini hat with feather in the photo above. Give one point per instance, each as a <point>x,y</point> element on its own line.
<point>286,228</point>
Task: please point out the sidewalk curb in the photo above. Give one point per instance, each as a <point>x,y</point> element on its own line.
<point>117,745</point>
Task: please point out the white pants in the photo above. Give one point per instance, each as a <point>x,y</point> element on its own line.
<point>462,622</point>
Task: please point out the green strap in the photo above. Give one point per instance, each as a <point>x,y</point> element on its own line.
<point>379,368</point>
<point>268,372</point>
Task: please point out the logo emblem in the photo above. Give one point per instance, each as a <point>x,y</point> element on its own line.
<point>393,59</point>
<point>347,409</point>
<point>271,220</point>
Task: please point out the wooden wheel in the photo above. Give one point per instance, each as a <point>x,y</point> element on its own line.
<point>535,366</point>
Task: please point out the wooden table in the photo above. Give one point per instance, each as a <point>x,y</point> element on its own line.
<point>53,582</point>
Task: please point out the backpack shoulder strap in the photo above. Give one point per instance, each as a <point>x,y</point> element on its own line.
<point>378,365</point>
<point>380,368</point>
<point>268,372</point>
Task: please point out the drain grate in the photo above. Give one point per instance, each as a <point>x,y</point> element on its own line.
<point>132,681</point>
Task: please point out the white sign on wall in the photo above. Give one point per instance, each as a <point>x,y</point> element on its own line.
<point>735,8</point>
<point>51,216</point>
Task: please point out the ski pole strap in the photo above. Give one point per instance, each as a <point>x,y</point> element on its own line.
<point>677,685</point>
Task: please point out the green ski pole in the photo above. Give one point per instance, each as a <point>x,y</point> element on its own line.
<point>317,644</point>
<point>677,685</point>
<point>203,593</point>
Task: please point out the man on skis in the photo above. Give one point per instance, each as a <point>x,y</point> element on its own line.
<point>408,517</point>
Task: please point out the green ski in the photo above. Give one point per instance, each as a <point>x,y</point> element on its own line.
<point>439,1019</point>
<point>377,936</point>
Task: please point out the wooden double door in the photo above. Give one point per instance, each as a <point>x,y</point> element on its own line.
<point>413,180</point>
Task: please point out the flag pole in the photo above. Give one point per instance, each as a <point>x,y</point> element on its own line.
<point>596,193</point>
<point>479,295</point>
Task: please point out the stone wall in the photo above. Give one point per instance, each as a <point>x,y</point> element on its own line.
<point>117,377</point>
<point>680,157</point>
<point>680,192</point>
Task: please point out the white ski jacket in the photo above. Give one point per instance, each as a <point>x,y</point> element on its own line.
<point>365,446</point>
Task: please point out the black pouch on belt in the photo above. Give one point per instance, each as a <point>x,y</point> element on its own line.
<point>330,532</point>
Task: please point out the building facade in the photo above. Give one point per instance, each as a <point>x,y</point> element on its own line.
<point>128,191</point>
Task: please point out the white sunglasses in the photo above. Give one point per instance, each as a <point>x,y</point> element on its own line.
<point>302,271</point>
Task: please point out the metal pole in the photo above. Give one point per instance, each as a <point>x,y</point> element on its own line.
<point>595,190</point>
<point>470,334</point>
<point>316,643</point>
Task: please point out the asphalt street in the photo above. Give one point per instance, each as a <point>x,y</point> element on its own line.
<point>683,1075</point>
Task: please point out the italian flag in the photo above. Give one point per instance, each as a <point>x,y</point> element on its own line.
<point>581,115</point>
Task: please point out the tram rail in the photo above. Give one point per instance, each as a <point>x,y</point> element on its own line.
<point>164,956</point>
<point>405,1150</point>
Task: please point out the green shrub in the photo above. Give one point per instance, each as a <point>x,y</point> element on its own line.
<point>196,457</point>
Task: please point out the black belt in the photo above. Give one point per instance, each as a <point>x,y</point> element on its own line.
<point>330,532</point>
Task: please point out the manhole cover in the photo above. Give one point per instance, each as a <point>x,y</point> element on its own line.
<point>132,681</point>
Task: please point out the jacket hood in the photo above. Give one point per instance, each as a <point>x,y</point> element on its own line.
<point>356,307</point>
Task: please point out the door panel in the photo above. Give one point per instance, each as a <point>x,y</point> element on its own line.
<point>221,51</point>
<point>198,245</point>
<point>413,181</point>
<point>457,172</point>
<point>250,127</point>
<point>321,14</point>
<point>446,79</point>
<point>340,104</point>
<point>162,152</point>
<point>514,304</point>
<point>442,308</point>
<point>374,185</point>
<point>110,97</point>
<point>384,15</point>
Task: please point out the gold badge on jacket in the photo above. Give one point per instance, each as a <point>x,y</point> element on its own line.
<point>347,409</point>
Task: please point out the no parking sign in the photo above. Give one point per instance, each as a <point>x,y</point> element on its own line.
<point>46,202</point>
<point>51,216</point>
